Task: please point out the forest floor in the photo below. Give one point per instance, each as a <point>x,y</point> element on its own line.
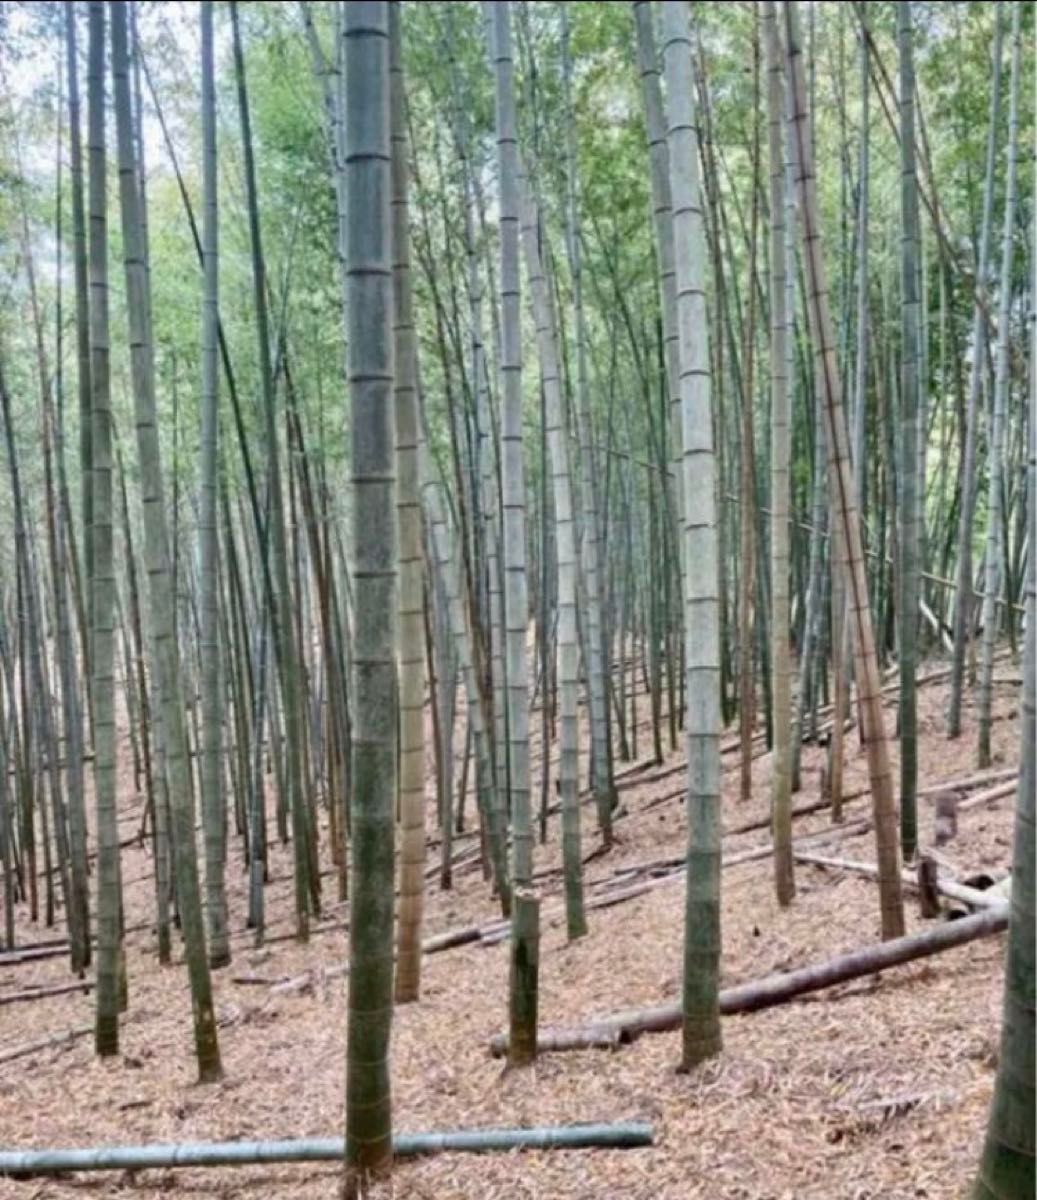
<point>878,1088</point>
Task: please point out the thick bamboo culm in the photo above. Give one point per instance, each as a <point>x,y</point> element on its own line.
<point>407,1145</point>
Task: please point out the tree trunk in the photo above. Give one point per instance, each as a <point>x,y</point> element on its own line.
<point>963,582</point>
<point>411,587</point>
<point>79,265</point>
<point>565,544</point>
<point>213,807</point>
<point>369,347</point>
<point>910,500</point>
<point>1006,1169</point>
<point>663,213</point>
<point>156,540</point>
<point>781,665</point>
<point>995,498</point>
<point>280,598</point>
<point>513,489</point>
<point>598,666</point>
<point>109,900</point>
<point>700,1012</point>
<point>747,471</point>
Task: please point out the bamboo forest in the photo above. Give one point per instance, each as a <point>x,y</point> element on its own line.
<point>518,599</point>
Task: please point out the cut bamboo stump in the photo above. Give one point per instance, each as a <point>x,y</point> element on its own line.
<point>776,989</point>
<point>525,968</point>
<point>22,1163</point>
<point>928,887</point>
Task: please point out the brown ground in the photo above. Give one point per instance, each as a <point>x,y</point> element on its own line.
<point>788,1111</point>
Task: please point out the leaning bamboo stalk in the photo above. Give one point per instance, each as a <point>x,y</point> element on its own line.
<point>849,546</point>
<point>407,1145</point>
<point>747,471</point>
<point>776,989</point>
<point>665,866</point>
<point>971,781</point>
<point>616,891</point>
<point>278,589</point>
<point>1007,1161</point>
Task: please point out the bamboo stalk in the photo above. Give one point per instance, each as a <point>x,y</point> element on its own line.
<point>22,1163</point>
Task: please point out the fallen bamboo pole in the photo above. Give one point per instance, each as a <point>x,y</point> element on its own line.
<point>615,890</point>
<point>963,783</point>
<point>973,897</point>
<point>65,1038</point>
<point>407,1145</point>
<point>462,935</point>
<point>994,793</point>
<point>967,782</point>
<point>775,989</point>
<point>41,993</point>
<point>661,867</point>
